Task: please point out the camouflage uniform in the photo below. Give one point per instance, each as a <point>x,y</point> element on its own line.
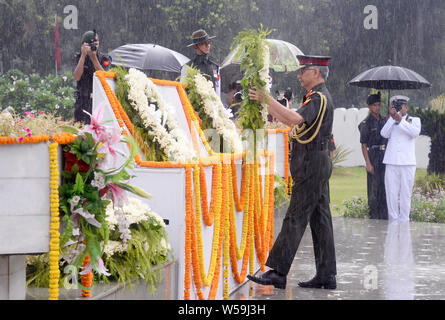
<point>311,168</point>
<point>370,135</point>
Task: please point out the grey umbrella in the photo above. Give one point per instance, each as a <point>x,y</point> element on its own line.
<point>283,58</point>
<point>148,56</point>
<point>390,78</point>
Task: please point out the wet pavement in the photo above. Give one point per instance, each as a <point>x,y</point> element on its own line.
<point>376,260</point>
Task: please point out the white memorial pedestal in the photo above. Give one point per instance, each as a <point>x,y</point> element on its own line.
<point>25,212</point>
<point>167,186</point>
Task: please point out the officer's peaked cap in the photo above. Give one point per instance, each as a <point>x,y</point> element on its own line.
<point>399,98</point>
<point>307,61</point>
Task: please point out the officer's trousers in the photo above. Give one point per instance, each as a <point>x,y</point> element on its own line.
<point>376,186</point>
<point>309,204</point>
<point>399,183</point>
<point>83,103</point>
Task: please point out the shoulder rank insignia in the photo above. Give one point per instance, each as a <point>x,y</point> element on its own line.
<point>307,99</point>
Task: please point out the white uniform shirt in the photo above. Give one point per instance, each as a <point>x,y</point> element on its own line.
<point>401,148</point>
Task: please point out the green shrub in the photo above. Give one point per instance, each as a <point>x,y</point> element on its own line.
<point>428,207</point>
<point>425,207</point>
<point>430,182</point>
<point>357,207</point>
<point>433,126</point>
<point>26,93</point>
<point>340,155</point>
<point>281,198</point>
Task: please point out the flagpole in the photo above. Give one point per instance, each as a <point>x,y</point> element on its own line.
<point>55,58</point>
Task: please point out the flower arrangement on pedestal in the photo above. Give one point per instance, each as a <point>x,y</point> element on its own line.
<point>138,242</point>
<point>92,182</point>
<point>102,230</point>
<point>153,118</point>
<point>19,128</point>
<point>211,111</point>
<point>255,67</point>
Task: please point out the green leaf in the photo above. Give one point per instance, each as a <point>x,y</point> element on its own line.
<point>137,191</point>
<point>79,185</point>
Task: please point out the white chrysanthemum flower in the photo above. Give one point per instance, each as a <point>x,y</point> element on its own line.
<point>214,108</point>
<point>99,180</point>
<point>171,141</point>
<point>114,247</point>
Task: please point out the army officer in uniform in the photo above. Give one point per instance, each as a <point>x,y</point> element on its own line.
<point>208,68</point>
<point>311,168</point>
<point>373,149</point>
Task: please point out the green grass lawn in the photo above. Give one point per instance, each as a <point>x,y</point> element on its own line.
<point>345,183</point>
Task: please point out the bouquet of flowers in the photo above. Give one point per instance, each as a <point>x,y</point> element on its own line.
<point>211,110</point>
<point>255,66</point>
<point>91,183</point>
<point>153,118</point>
<point>138,241</point>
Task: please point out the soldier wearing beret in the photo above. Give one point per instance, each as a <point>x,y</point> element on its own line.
<point>373,149</point>
<point>87,62</point>
<point>210,69</point>
<point>311,168</point>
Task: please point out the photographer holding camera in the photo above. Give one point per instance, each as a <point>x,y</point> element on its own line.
<point>88,61</point>
<point>234,98</point>
<point>401,130</point>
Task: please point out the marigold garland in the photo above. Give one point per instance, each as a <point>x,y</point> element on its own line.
<point>215,204</point>
<point>207,280</point>
<point>87,279</point>
<point>54,246</point>
<point>188,240</point>
<point>224,201</point>
<point>240,277</point>
<point>240,250</point>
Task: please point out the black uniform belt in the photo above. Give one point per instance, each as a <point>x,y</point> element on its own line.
<point>381,147</point>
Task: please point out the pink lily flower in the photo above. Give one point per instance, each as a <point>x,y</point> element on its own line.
<point>95,127</point>
<point>110,138</point>
<point>119,195</point>
<point>100,266</point>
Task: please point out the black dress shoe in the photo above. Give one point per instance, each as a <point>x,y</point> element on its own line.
<point>270,277</point>
<point>320,282</point>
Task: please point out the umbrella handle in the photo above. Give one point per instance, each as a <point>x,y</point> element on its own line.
<point>389,97</point>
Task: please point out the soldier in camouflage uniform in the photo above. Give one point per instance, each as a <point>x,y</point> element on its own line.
<point>311,168</point>
<point>87,62</point>
<point>373,149</point>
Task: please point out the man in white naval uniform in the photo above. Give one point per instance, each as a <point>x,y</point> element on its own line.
<point>401,130</point>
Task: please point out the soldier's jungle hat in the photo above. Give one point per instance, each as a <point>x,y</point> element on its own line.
<point>307,61</point>
<point>200,36</point>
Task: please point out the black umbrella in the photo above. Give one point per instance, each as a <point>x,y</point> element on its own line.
<point>390,78</point>
<point>148,56</point>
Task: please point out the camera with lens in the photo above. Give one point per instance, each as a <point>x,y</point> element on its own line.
<point>238,97</point>
<point>397,104</point>
<point>92,45</point>
<point>90,41</point>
